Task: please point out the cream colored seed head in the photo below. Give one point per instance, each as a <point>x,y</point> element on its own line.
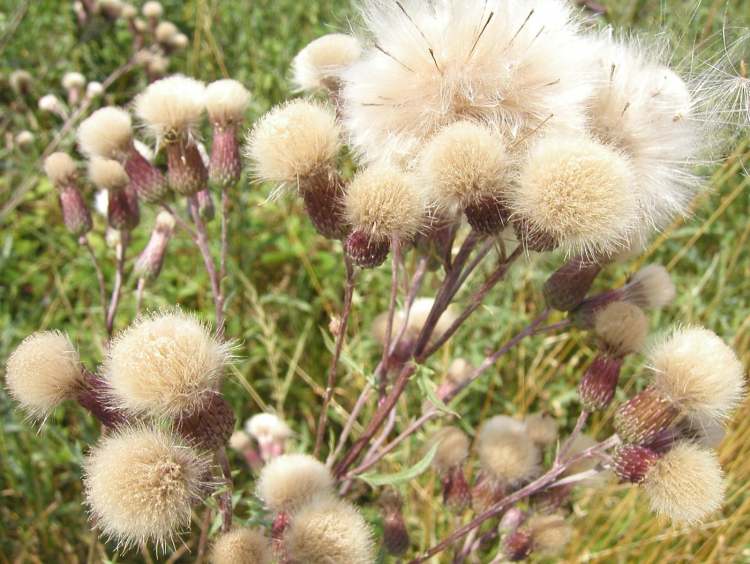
<point>320,63</point>
<point>385,202</point>
<point>268,425</point>
<point>506,452</point>
<point>293,141</point>
<point>459,371</point>
<point>464,164</point>
<point>226,101</point>
<point>699,373</point>
<point>152,9</point>
<point>73,81</point>
<point>549,533</point>
<point>651,287</point>
<point>108,132</point>
<point>164,365</point>
<point>453,449</point>
<point>541,428</point>
<point>43,371</point>
<point>240,441</point>
<point>242,546</point>
<point>60,168</point>
<point>172,105</point>
<point>579,192</point>
<point>179,41</point>
<point>141,484</point>
<point>329,531</point>
<point>686,484</point>
<point>290,481</point>
<point>165,31</point>
<point>622,326</point>
<point>107,174</point>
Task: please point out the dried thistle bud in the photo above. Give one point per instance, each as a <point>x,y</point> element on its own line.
<point>578,193</point>
<point>541,428</point>
<point>506,453</point>
<point>226,102</point>
<point>465,168</point>
<point>290,481</point>
<point>329,530</point>
<point>210,427</point>
<point>165,365</point>
<point>517,545</point>
<point>271,432</point>
<point>599,383</point>
<point>569,284</point>
<point>123,212</point>
<point>141,485</point>
<point>63,173</point>
<point>622,328</point>
<point>644,416</point>
<point>43,371</point>
<point>633,462</point>
<point>395,534</point>
<point>319,65</point>
<point>686,484</point>
<point>381,203</point>
<point>242,545</point>
<point>149,262</point>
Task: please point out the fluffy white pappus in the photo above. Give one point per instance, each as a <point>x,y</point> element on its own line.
<point>268,425</point>
<point>226,101</point>
<point>320,63</point>
<point>650,288</point>
<point>578,192</point>
<point>541,428</point>
<point>452,450</point>
<point>108,132</point>
<point>73,81</point>
<point>172,105</point>
<point>294,140</point>
<point>506,452</point>
<point>107,174</point>
<point>165,31</point>
<point>686,484</point>
<point>51,103</point>
<point>622,327</point>
<point>330,531</point>
<point>420,311</point>
<point>152,10</point>
<point>698,372</point>
<point>549,533</point>
<point>290,481</point>
<point>43,371</point>
<point>465,163</point>
<point>60,168</point>
<point>141,484</point>
<point>94,89</point>
<point>515,64</point>
<point>242,545</point>
<point>164,365</point>
<point>647,110</point>
<point>383,201</point>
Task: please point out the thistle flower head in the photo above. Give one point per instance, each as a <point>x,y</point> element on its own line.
<point>165,31</point>
<point>51,103</point>
<point>383,202</point>
<point>24,138</point>
<point>622,327</point>
<point>549,533</point>
<point>262,425</point>
<point>141,484</point>
<point>94,89</point>
<point>650,288</point>
<point>43,371</point>
<point>73,81</point>
<point>226,101</point>
<point>577,192</point>
<point>60,169</point>
<point>686,484</point>
<point>321,62</point>
<point>171,107</point>
<point>452,450</point>
<point>541,428</point>
<point>242,545</point>
<point>152,9</point>
<point>506,453</point>
<point>290,481</point>
<point>699,373</point>
<point>164,365</point>
<point>20,81</point>
<point>129,11</point>
<point>329,530</point>
<point>107,174</point>
<point>514,64</point>
<point>179,41</point>
<point>108,132</point>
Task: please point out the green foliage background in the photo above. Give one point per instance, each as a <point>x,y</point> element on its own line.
<point>285,283</point>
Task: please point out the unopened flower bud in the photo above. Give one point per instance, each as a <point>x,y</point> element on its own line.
<point>632,462</point>
<point>395,535</point>
<point>366,251</point>
<point>74,83</point>
<point>644,416</point>
<point>569,284</point>
<point>149,262</point>
<point>186,172</point>
<point>147,180</point>
<point>599,382</point>
<point>210,426</point>
<point>456,490</point>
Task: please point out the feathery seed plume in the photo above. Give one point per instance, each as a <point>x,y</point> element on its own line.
<point>290,481</point>
<point>242,545</point>
<point>320,63</point>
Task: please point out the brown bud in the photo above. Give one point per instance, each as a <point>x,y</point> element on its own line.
<point>211,426</point>
<point>149,262</point>
<point>644,416</point>
<point>533,239</point>
<point>395,535</point>
<point>517,545</point>
<point>632,462</point>
<point>187,173</point>
<point>598,385</point>
<point>364,251</point>
<point>323,194</point>
<point>225,166</point>
<point>147,180</point>
<point>570,283</point>
<point>123,212</point>
<point>76,215</point>
<point>488,216</point>
<point>456,491</point>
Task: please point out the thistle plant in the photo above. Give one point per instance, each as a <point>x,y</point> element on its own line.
<point>479,135</point>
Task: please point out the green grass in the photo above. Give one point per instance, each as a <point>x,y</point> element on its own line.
<point>285,283</point>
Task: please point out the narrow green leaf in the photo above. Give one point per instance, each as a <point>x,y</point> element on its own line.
<point>405,475</point>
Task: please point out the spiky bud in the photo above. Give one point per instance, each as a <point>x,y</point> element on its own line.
<point>364,251</point>
<point>646,414</point>
<point>209,427</point>
<point>149,262</point>
<point>61,170</point>
<point>569,284</point>
<point>599,383</point>
<point>631,463</point>
<point>395,534</point>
